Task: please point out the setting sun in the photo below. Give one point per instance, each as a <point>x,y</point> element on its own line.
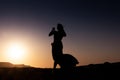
<point>15,52</point>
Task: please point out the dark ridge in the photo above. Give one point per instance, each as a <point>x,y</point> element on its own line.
<point>102,71</point>
<point>10,65</point>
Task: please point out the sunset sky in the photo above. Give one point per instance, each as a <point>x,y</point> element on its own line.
<point>92,27</point>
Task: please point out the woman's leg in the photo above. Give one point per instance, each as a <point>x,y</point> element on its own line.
<point>55,64</point>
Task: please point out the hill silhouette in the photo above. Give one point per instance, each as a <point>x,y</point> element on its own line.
<point>102,71</point>
<point>10,65</point>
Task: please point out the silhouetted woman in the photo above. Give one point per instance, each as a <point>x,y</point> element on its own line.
<point>57,46</point>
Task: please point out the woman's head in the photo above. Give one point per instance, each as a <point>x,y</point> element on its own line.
<point>59,27</point>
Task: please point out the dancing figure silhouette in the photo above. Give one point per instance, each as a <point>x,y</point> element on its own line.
<point>57,46</point>
<point>64,60</point>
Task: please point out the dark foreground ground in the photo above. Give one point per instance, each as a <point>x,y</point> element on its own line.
<point>106,71</point>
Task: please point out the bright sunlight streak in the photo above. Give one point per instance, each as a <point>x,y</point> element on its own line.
<point>15,52</point>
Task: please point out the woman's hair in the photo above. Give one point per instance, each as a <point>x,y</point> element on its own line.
<point>59,26</point>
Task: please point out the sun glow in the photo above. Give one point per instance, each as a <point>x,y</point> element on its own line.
<point>15,52</point>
